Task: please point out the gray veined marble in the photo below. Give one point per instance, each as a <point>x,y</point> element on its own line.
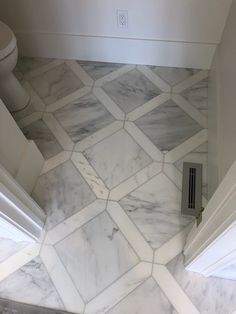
<point>131,90</point>
<point>96,255</point>
<point>83,117</point>
<point>171,75</point>
<point>210,295</point>
<point>155,208</point>
<point>147,298</point>
<point>61,193</point>
<point>99,69</point>
<point>43,137</point>
<point>56,83</point>
<point>31,284</point>
<point>167,126</point>
<point>26,64</point>
<point>197,95</point>
<point>9,247</point>
<point>117,157</point>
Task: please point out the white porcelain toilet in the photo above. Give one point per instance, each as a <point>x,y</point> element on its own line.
<point>11,92</point>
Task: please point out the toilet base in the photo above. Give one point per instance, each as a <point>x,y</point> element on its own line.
<point>12,93</point>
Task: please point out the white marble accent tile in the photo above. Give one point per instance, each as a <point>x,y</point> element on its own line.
<point>155,208</point>
<point>28,64</point>
<point>112,76</point>
<point>9,247</point>
<point>109,103</point>
<point>191,110</point>
<point>79,71</point>
<point>210,295</point>
<point>167,126</point>
<point>114,166</point>
<point>92,256</point>
<point>155,79</point>
<point>67,99</point>
<point>173,174</point>
<point>31,284</point>
<point>174,293</point>
<point>55,84</point>
<point>143,141</point>
<point>19,259</point>
<point>47,67</point>
<point>74,222</point>
<point>172,75</point>
<point>62,281</point>
<point>131,90</point>
<point>62,192</point>
<point>147,107</point>
<point>132,234</point>
<point>147,298</point>
<point>98,136</point>
<point>97,70</point>
<point>186,147</point>
<point>55,161</point>
<point>30,119</point>
<point>135,181</point>
<point>83,117</point>
<point>59,133</point>
<point>201,75</point>
<point>121,288</point>
<point>89,174</point>
<point>43,138</point>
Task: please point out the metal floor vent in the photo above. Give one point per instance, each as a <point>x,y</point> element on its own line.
<point>192,189</point>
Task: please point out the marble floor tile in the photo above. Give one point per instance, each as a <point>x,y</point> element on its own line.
<point>168,126</point>
<point>155,208</point>
<point>43,137</point>
<point>173,76</point>
<point>197,95</point>
<point>62,192</point>
<point>99,69</point>
<point>31,284</point>
<point>83,117</point>
<point>147,298</point>
<point>116,158</point>
<point>9,247</point>
<point>27,64</point>
<point>210,295</point>
<point>56,83</point>
<point>131,90</point>
<point>199,155</point>
<point>95,255</point>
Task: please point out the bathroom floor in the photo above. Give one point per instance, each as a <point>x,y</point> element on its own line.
<point>114,138</point>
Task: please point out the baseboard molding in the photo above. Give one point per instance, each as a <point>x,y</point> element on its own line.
<point>121,50</point>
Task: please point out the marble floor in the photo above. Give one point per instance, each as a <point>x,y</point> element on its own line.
<point>114,138</point>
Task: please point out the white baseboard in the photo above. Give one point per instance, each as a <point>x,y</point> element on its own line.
<point>120,50</point>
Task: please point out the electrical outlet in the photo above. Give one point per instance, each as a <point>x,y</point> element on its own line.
<point>122,18</point>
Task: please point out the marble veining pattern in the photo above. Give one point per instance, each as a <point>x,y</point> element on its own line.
<point>131,90</point>
<point>168,126</point>
<point>122,159</point>
<point>43,137</point>
<point>96,255</point>
<point>56,83</point>
<point>99,69</point>
<point>26,64</point>
<point>155,208</point>
<point>62,192</point>
<point>83,117</point>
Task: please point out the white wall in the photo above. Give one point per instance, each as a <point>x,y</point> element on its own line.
<point>167,32</point>
<point>222,105</point>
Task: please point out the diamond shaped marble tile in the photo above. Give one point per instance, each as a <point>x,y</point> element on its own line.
<point>25,64</point>
<point>167,126</point>
<point>147,298</point>
<point>210,295</point>
<point>31,284</point>
<point>99,69</point>
<point>117,157</point>
<point>131,90</point>
<point>197,95</point>
<point>43,137</point>
<point>96,255</point>
<point>83,117</point>
<point>62,192</point>
<point>56,83</point>
<point>173,76</point>
<point>155,208</point>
